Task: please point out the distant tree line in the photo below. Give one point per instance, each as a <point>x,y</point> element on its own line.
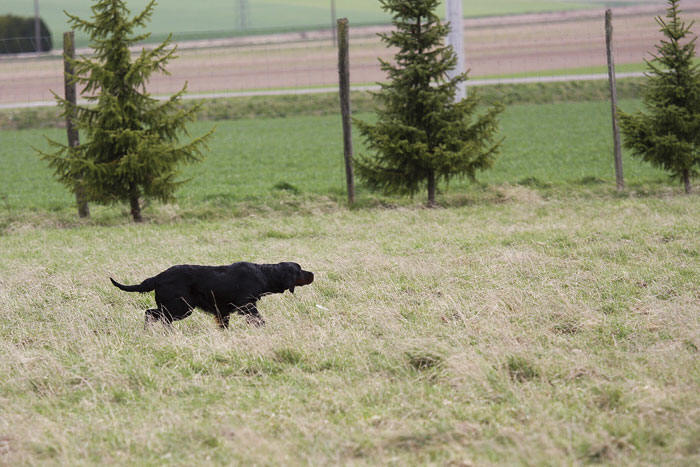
<point>17,35</point>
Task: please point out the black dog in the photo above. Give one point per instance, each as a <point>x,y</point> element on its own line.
<point>220,290</point>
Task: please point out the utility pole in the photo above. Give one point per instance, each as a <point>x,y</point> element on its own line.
<point>37,26</point>
<point>334,31</point>
<point>456,40</point>
<point>243,13</point>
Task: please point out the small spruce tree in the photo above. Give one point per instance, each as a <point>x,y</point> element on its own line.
<point>668,134</point>
<point>131,151</point>
<point>422,135</point>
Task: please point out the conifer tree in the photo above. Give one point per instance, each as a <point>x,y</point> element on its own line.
<point>668,134</point>
<point>422,136</point>
<point>131,148</point>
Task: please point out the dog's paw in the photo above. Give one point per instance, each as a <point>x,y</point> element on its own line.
<point>256,321</point>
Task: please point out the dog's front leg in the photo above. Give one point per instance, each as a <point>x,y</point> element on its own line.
<point>222,320</point>
<point>253,315</point>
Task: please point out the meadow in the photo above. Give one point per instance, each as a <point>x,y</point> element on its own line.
<point>521,330</point>
<point>536,316</point>
<point>189,20</point>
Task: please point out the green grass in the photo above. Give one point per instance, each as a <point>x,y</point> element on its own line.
<point>291,105</point>
<point>548,146</point>
<point>528,330</point>
<point>602,69</point>
<point>219,17</point>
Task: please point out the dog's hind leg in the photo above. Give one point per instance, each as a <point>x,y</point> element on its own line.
<point>154,315</point>
<point>172,308</point>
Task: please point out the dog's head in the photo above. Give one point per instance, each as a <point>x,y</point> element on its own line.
<point>292,275</point>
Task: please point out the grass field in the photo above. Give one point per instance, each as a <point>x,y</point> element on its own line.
<point>537,317</point>
<point>523,331</point>
<point>180,16</point>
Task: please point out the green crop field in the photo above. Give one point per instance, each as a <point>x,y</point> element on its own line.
<point>550,145</point>
<point>209,19</point>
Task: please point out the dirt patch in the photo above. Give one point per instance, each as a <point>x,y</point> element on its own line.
<point>539,43</point>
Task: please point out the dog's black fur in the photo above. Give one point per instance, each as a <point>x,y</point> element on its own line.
<point>219,290</point>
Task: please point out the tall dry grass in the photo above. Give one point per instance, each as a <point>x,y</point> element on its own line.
<point>528,331</point>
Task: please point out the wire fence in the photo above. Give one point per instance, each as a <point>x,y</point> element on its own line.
<point>24,45</point>
<point>530,47</point>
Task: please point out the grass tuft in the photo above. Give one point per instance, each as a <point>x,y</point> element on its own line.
<point>285,186</point>
<point>424,360</point>
<point>289,356</point>
<point>521,369</point>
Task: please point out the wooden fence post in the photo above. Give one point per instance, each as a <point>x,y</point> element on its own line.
<point>70,93</point>
<point>613,99</point>
<point>344,84</point>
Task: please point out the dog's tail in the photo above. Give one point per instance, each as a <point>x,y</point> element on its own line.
<point>145,286</point>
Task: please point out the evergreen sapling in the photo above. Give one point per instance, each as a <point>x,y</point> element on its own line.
<point>422,136</point>
<point>668,134</point>
<point>131,148</point>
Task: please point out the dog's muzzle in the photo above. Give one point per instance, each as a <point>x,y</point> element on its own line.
<point>305,278</point>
